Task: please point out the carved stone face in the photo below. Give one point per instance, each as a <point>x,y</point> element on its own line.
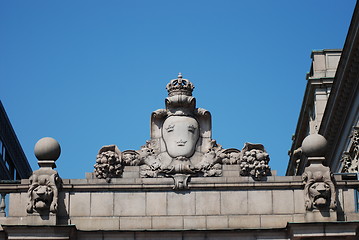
<point>319,193</point>
<point>42,194</point>
<point>180,134</point>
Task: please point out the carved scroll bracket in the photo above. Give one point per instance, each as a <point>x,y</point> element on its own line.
<point>180,181</point>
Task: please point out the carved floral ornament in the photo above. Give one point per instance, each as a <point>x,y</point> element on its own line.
<point>181,145</point>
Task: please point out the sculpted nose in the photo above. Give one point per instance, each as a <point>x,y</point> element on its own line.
<point>40,192</point>
<point>321,189</point>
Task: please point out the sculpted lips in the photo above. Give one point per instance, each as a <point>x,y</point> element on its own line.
<point>181,143</point>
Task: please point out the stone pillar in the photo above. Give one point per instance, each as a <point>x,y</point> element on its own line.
<point>319,188</point>
<point>44,184</point>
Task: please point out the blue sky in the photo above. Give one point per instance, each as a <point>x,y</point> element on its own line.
<point>89,73</point>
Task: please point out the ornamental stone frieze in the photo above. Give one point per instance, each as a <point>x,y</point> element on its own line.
<point>181,145</point>
<point>319,188</point>
<point>44,182</point>
<point>350,158</point>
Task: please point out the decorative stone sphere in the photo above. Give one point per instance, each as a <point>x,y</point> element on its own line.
<point>314,145</point>
<point>47,148</point>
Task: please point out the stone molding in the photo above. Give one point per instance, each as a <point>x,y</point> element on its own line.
<point>342,95</point>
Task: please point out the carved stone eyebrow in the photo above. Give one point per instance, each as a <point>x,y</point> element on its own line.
<point>170,128</point>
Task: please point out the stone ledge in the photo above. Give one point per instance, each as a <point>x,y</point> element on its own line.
<point>173,223</point>
<point>168,183</point>
<point>96,223</point>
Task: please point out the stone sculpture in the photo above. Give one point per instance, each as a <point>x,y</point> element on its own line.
<point>319,189</point>
<point>181,145</point>
<point>108,163</point>
<point>255,161</point>
<point>45,182</point>
<point>350,158</point>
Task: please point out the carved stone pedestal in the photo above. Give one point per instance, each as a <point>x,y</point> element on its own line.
<point>321,216</point>
<point>37,219</point>
<point>319,189</point>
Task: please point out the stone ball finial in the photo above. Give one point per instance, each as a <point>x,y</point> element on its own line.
<point>47,148</point>
<point>314,145</point>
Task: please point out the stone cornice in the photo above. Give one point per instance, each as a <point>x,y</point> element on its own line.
<point>150,184</point>
<point>300,132</point>
<point>344,89</point>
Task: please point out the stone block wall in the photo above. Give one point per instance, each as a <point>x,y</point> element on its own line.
<point>212,203</point>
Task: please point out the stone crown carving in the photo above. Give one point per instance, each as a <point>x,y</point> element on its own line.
<point>181,145</point>
<point>179,86</point>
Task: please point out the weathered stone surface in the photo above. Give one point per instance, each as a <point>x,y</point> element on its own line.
<point>208,202</point>
<point>135,223</point>
<point>298,218</point>
<point>217,222</point>
<point>260,202</point>
<point>194,222</point>
<point>299,205</point>
<point>131,175</point>
<point>64,202</point>
<point>156,203</point>
<point>349,202</point>
<point>320,216</point>
<point>130,204</point>
<point>283,202</point>
<point>234,202</point>
<point>37,219</point>
<point>175,222</point>
<point>244,221</point>
<point>102,204</point>
<point>230,174</point>
<point>96,223</point>
<point>352,216</point>
<point>17,204</point>
<point>80,204</point>
<point>181,203</point>
<point>275,221</point>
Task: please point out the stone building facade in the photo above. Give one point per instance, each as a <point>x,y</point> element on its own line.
<point>181,184</point>
<point>330,107</point>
